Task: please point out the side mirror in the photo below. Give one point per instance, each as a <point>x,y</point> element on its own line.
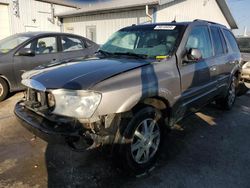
<point>26,52</point>
<point>194,54</point>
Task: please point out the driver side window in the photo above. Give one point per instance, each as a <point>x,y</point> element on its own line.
<point>46,45</point>
<point>199,39</point>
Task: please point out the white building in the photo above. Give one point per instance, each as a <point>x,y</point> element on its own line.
<point>30,15</point>
<point>98,21</point>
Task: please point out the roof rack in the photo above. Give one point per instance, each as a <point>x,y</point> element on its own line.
<point>200,20</point>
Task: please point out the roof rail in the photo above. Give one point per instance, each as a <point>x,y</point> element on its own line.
<point>200,20</point>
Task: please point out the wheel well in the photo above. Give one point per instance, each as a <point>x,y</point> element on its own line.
<point>6,80</point>
<point>237,74</point>
<point>157,102</point>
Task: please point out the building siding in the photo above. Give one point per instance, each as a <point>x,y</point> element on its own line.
<point>4,20</point>
<point>188,10</point>
<point>33,16</point>
<point>180,10</point>
<point>105,24</point>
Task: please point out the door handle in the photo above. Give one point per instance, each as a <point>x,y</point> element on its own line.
<point>213,68</point>
<point>231,62</point>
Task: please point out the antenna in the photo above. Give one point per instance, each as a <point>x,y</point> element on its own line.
<point>174,21</point>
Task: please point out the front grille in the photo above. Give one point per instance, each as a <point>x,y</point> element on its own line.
<point>39,100</point>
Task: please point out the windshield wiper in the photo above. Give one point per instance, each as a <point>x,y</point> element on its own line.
<point>105,52</point>
<point>142,56</point>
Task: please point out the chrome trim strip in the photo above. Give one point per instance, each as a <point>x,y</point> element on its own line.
<point>34,84</point>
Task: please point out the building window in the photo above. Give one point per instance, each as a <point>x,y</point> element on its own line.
<point>91,33</point>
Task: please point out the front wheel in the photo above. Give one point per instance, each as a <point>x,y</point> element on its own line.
<point>4,89</point>
<point>228,101</point>
<point>140,141</point>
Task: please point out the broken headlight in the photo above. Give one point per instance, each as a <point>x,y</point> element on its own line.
<point>79,104</point>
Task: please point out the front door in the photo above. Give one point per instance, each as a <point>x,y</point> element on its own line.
<point>45,49</point>
<point>198,78</point>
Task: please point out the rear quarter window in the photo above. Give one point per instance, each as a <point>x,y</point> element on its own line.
<point>217,41</point>
<point>231,40</point>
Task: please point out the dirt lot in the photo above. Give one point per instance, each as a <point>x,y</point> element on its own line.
<point>212,151</point>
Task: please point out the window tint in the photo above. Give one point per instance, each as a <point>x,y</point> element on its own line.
<point>71,44</point>
<point>88,42</point>
<point>28,46</point>
<point>230,38</point>
<point>218,47</point>
<point>199,38</point>
<point>150,41</point>
<point>46,45</point>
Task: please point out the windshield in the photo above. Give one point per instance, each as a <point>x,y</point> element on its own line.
<point>244,44</point>
<point>11,42</point>
<point>150,41</point>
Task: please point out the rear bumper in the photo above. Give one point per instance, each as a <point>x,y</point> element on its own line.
<point>52,132</point>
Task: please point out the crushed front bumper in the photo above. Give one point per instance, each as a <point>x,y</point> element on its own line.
<point>50,131</point>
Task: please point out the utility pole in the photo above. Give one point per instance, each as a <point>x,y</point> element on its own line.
<point>245,31</point>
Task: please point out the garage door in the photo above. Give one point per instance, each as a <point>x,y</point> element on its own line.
<point>4,22</point>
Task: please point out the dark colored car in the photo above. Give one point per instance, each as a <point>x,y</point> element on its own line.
<point>22,52</point>
<point>244,44</point>
<point>145,78</point>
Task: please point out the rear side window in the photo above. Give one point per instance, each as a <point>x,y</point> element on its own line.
<point>231,40</point>
<point>218,47</point>
<point>71,44</point>
<point>199,39</point>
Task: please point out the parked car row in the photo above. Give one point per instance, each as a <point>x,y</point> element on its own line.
<point>244,45</point>
<point>144,79</point>
<point>22,52</point>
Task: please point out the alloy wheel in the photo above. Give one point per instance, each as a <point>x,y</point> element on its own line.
<point>1,89</point>
<point>146,141</point>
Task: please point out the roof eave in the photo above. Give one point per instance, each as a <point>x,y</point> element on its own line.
<point>117,9</point>
<point>59,3</point>
<point>227,13</point>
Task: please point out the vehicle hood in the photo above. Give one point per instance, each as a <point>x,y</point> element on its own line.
<point>84,74</point>
<point>245,56</point>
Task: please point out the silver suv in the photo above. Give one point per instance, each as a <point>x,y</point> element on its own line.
<point>144,78</point>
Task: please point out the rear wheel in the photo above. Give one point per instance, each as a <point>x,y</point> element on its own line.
<point>140,141</point>
<point>4,89</point>
<point>228,101</point>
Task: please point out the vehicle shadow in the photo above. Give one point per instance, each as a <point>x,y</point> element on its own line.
<point>96,168</point>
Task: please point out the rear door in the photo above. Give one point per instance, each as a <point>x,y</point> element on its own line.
<point>46,50</point>
<point>222,73</point>
<point>198,85</point>
<point>232,58</point>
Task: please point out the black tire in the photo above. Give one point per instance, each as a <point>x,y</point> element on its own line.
<point>134,140</point>
<point>228,101</point>
<point>242,89</point>
<point>4,89</point>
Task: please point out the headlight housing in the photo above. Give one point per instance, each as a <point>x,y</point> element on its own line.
<point>79,104</point>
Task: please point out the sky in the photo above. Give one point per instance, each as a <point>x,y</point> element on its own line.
<point>241,12</point>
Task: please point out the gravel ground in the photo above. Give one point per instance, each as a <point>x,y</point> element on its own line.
<point>212,151</point>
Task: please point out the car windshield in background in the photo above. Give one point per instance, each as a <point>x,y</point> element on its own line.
<point>11,42</point>
<point>244,44</point>
<point>142,41</point>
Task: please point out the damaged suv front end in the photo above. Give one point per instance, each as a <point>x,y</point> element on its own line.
<point>58,115</point>
<point>66,115</point>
